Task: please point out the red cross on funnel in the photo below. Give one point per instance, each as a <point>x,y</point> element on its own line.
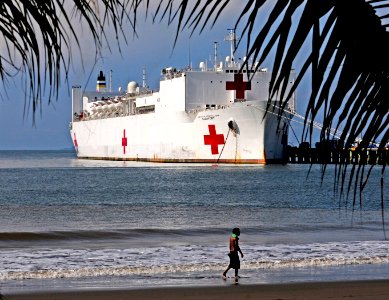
<point>213,139</point>
<point>239,86</point>
<point>124,141</point>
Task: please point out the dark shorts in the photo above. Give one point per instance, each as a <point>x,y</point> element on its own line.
<point>234,260</point>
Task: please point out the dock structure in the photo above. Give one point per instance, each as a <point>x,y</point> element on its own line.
<point>325,155</point>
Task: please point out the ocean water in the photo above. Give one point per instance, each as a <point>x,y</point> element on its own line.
<point>69,223</point>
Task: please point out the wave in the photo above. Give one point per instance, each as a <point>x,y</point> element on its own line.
<point>18,264</point>
<point>106,234</point>
<point>185,268</point>
<point>134,233</point>
<point>60,235</point>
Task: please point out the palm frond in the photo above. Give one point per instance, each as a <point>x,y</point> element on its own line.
<point>347,62</point>
<point>38,37</point>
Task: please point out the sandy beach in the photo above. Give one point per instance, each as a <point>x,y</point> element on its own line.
<point>377,290</point>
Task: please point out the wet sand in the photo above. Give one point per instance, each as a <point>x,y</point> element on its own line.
<point>376,289</point>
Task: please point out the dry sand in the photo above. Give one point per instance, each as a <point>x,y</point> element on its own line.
<point>375,290</point>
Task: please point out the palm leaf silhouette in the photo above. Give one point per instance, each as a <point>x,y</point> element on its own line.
<point>347,59</point>
<point>347,62</point>
<point>38,39</point>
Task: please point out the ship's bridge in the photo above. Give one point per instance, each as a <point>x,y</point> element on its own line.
<point>203,88</point>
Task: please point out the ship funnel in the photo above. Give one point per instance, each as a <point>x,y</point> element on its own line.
<point>101,85</point>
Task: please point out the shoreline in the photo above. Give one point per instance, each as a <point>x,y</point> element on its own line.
<point>362,289</point>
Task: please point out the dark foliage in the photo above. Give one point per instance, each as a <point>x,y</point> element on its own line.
<point>37,39</point>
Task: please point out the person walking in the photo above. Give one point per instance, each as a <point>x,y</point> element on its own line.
<point>234,257</point>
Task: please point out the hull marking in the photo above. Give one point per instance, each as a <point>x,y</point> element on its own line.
<point>239,86</point>
<point>124,141</point>
<point>75,142</point>
<point>213,139</point>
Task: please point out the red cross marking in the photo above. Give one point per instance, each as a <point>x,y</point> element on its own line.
<point>75,141</point>
<point>239,86</point>
<point>213,139</point>
<point>124,141</point>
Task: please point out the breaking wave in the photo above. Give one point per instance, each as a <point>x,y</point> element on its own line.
<point>188,268</point>
<point>190,259</point>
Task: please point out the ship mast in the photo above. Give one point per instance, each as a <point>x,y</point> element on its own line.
<point>215,55</point>
<point>144,83</point>
<point>110,81</point>
<point>231,37</point>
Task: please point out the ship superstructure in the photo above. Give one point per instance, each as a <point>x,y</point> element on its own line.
<point>198,115</point>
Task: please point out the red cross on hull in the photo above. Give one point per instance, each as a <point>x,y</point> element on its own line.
<point>124,141</point>
<point>213,139</point>
<point>75,141</point>
<point>239,86</point>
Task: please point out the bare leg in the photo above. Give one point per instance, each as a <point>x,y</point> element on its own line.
<point>236,275</point>
<point>225,272</point>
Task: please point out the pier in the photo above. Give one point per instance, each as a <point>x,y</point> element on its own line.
<point>330,155</point>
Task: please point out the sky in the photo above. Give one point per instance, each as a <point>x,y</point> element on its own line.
<point>152,50</point>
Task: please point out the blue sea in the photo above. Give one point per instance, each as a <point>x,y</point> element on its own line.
<point>67,223</point>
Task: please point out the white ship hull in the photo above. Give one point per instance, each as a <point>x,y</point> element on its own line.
<point>206,115</point>
<point>191,137</point>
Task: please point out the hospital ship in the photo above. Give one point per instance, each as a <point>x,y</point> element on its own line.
<point>217,114</point>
